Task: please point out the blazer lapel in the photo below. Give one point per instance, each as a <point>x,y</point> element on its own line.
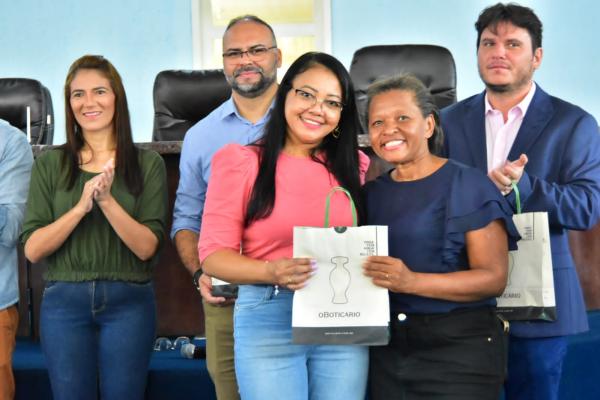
<point>474,131</point>
<point>538,115</point>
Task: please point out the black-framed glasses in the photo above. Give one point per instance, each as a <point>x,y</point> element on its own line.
<point>254,53</point>
<point>310,100</point>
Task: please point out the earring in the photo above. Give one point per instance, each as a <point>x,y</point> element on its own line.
<point>336,132</point>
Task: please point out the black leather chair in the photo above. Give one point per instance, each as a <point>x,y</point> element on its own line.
<point>182,98</point>
<point>434,65</point>
<point>16,94</point>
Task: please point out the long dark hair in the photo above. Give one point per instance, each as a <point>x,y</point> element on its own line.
<point>423,99</point>
<point>341,154</point>
<point>126,163</point>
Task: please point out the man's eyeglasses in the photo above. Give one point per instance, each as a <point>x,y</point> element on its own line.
<point>255,53</point>
<point>310,100</point>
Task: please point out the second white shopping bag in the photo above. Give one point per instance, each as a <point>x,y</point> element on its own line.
<point>340,305</point>
<point>529,293</point>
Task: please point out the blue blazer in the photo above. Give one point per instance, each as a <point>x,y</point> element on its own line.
<point>562,177</point>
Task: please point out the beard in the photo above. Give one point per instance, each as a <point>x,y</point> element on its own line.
<point>521,80</point>
<point>498,88</point>
<point>251,90</point>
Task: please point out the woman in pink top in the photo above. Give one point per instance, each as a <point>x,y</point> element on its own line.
<point>256,195</point>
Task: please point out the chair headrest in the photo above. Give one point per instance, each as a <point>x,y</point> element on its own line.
<point>16,94</point>
<point>433,65</point>
<point>182,98</point>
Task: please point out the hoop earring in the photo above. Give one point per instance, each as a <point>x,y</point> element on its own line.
<point>336,132</point>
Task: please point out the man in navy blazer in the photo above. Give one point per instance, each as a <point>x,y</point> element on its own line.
<point>515,131</point>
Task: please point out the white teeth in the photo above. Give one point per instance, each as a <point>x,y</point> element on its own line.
<point>393,143</point>
<point>88,114</point>
<point>311,122</point>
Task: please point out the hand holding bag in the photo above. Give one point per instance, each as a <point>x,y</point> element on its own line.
<point>340,305</point>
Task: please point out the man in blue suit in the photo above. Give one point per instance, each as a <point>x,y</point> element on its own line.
<point>515,131</point>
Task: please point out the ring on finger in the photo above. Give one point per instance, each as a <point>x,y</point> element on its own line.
<point>289,280</point>
<point>387,276</point>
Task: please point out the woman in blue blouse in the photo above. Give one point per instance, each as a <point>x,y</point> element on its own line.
<point>449,231</point>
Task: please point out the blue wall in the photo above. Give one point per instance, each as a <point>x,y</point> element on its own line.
<point>39,39</point>
<point>571,62</point>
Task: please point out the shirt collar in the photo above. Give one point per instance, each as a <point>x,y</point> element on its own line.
<point>228,109</point>
<point>522,106</point>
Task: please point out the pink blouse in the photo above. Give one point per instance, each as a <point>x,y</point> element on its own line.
<point>302,186</point>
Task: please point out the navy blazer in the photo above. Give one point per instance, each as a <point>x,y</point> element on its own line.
<point>562,177</point>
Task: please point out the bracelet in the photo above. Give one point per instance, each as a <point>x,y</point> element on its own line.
<point>196,278</point>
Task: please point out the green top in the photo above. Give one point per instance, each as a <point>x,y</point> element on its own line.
<point>94,250</point>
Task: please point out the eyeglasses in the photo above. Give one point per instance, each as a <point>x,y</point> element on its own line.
<point>255,53</point>
<point>310,100</point>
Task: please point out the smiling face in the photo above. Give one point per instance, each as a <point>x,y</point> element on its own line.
<point>92,101</point>
<point>250,76</point>
<point>312,109</point>
<point>397,129</point>
<point>505,58</point>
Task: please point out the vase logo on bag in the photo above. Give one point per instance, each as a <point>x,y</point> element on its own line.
<point>511,266</point>
<point>339,280</point>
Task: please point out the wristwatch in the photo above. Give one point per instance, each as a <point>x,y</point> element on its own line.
<point>196,278</point>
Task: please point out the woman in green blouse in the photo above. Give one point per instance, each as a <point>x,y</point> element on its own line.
<point>96,213</point>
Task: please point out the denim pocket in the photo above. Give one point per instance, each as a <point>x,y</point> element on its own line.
<point>49,286</point>
<point>251,296</point>
<point>142,291</point>
<point>138,285</point>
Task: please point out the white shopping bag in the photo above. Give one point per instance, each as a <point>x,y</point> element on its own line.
<point>340,305</point>
<point>529,294</point>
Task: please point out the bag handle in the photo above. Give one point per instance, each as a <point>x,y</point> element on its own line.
<point>517,196</point>
<point>328,201</point>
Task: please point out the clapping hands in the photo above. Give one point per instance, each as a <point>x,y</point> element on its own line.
<point>97,188</point>
<point>103,181</point>
<point>510,172</point>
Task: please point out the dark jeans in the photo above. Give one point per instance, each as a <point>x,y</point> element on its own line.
<point>459,355</point>
<point>98,332</point>
<point>535,367</point>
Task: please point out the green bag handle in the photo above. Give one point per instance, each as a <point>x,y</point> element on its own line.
<point>328,202</point>
<point>517,196</point>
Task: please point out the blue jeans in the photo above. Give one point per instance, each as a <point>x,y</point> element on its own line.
<point>98,332</point>
<point>269,366</point>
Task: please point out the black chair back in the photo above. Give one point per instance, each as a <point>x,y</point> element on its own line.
<point>182,98</point>
<point>433,65</point>
<point>16,94</point>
